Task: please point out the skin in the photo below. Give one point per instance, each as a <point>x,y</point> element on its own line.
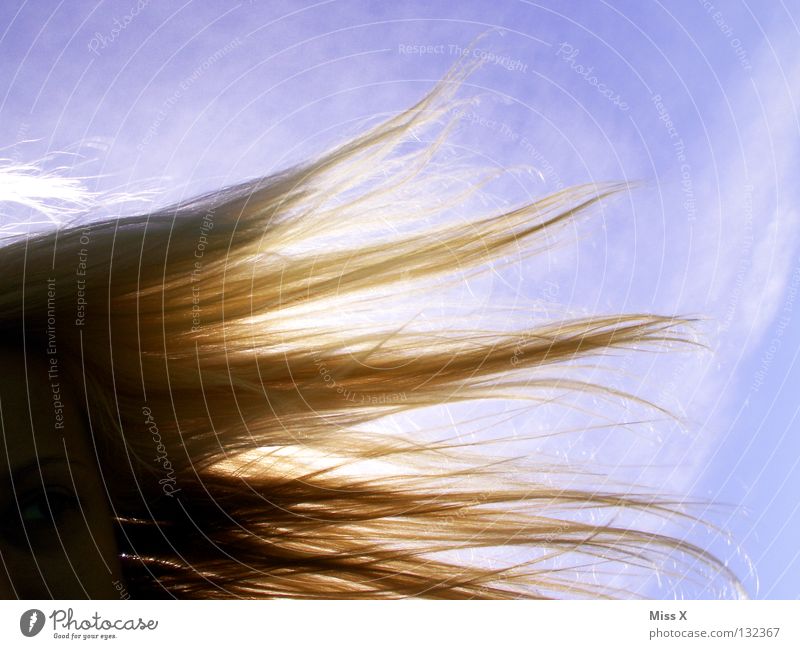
<point>56,532</point>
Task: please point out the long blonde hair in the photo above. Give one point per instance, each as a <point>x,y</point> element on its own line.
<point>230,402</point>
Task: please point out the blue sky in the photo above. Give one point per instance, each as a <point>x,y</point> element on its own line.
<point>696,99</point>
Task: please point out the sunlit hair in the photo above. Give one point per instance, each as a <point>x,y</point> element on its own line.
<point>235,400</point>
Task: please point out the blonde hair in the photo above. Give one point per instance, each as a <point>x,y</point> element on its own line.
<point>210,336</point>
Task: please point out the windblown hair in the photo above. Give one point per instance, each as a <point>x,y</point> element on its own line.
<point>214,336</point>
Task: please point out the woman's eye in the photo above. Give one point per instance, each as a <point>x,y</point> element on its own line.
<point>37,520</point>
<point>36,511</point>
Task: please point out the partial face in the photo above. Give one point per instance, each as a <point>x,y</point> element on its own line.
<point>56,534</point>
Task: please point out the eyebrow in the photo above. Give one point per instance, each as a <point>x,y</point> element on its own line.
<point>38,463</point>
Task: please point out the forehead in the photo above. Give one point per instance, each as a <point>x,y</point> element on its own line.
<point>39,413</point>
